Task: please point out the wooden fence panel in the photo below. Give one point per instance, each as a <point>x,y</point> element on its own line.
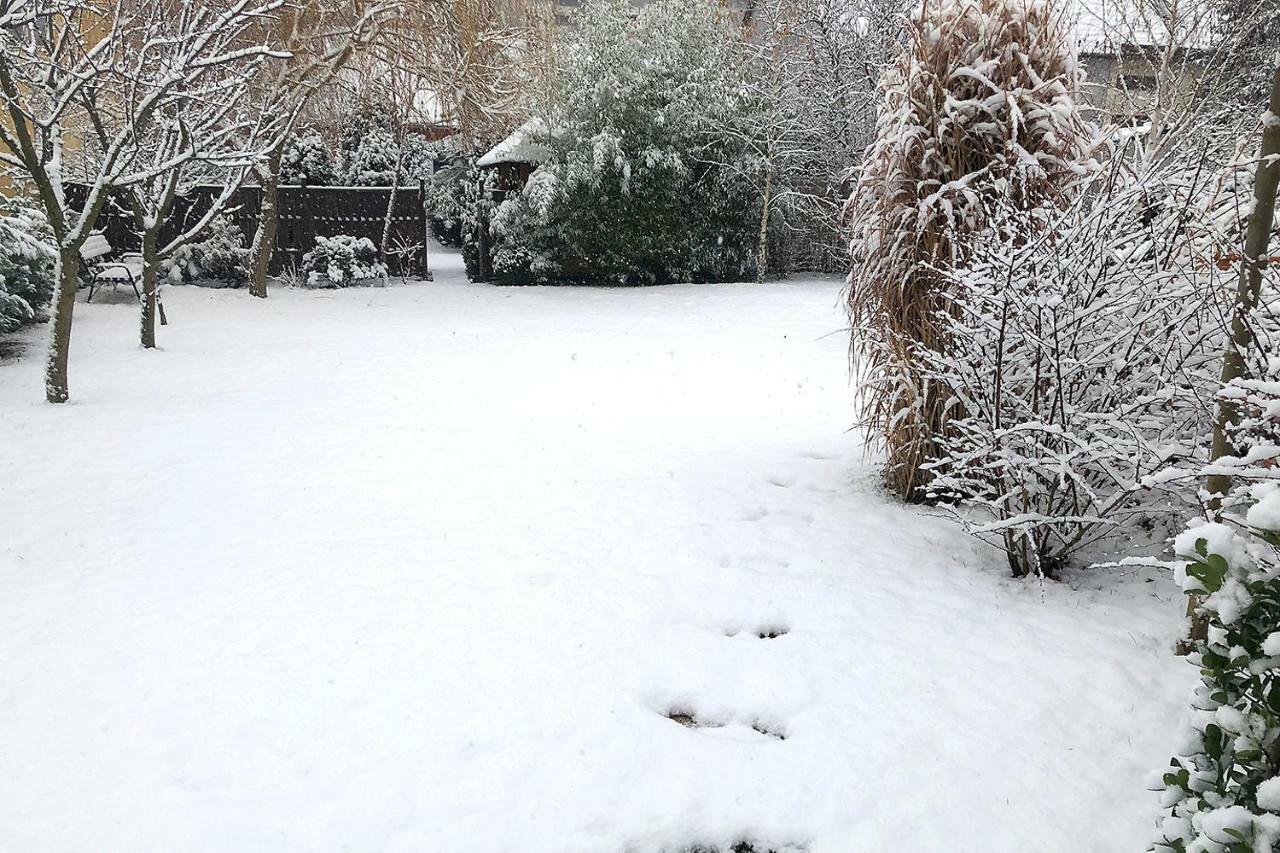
<point>305,213</point>
<point>310,212</point>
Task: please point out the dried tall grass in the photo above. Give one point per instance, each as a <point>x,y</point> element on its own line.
<point>979,114</point>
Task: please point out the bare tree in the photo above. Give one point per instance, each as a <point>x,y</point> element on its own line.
<point>471,55</point>
<point>71,65</point>
<point>812,75</point>
<point>210,130</point>
<point>322,36</point>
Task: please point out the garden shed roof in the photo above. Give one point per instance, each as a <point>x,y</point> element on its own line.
<point>520,147</point>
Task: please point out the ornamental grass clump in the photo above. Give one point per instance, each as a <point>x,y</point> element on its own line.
<point>980,112</point>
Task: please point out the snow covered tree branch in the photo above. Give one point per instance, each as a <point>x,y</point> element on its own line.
<point>93,77</point>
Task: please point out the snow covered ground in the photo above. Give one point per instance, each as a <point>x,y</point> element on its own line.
<point>432,567</point>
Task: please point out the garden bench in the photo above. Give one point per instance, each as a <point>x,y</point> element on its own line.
<point>128,268</point>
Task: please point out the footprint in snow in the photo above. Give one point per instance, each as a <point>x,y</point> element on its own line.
<point>764,632</point>
<point>691,720</point>
<point>746,846</point>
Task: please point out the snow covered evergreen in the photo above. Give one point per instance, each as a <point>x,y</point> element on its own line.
<point>342,261</point>
<point>1223,787</point>
<point>371,159</point>
<point>26,264</point>
<point>219,258</point>
<point>633,193</point>
<point>307,160</point>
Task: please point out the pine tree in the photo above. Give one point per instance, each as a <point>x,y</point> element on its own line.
<point>307,160</point>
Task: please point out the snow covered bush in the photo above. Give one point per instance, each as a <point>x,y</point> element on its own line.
<point>418,159</point>
<point>368,153</point>
<point>342,261</point>
<point>307,160</point>
<point>221,259</point>
<point>26,265</point>
<point>1077,370</point>
<point>450,196</point>
<point>1082,353</point>
<point>979,113</point>
<point>1223,786</point>
<point>638,189</point>
<point>373,162</point>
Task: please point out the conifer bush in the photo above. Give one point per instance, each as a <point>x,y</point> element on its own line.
<point>307,160</point>
<point>640,187</point>
<point>450,201</point>
<point>221,259</point>
<point>26,265</point>
<point>342,261</point>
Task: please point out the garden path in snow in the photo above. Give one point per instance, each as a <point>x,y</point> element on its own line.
<point>449,567</point>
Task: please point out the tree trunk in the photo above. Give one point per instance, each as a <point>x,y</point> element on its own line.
<point>391,207</point>
<point>1248,290</point>
<point>66,272</point>
<point>264,239</point>
<point>482,236</point>
<point>1249,285</point>
<point>150,291</point>
<point>762,253</point>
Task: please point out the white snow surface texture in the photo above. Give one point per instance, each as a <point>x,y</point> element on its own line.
<point>426,568</point>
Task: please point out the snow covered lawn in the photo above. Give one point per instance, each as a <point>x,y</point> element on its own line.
<point>431,567</point>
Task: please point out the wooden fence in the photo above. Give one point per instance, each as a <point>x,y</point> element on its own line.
<point>305,213</point>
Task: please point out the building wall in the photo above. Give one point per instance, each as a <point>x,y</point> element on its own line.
<point>1124,87</point>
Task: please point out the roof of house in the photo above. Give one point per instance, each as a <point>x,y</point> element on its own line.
<point>520,147</point>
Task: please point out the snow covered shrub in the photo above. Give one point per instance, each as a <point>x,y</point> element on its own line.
<point>342,261</point>
<point>418,159</point>
<point>1223,786</point>
<point>449,197</point>
<point>221,259</point>
<point>524,248</point>
<point>635,191</point>
<point>307,160</point>
<point>368,153</point>
<point>26,264</point>
<point>373,162</point>
<point>1077,369</point>
<point>981,108</point>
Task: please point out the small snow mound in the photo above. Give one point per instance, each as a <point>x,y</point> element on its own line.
<point>1269,795</point>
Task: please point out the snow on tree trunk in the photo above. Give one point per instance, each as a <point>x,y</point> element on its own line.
<point>762,255</point>
<point>1249,287</point>
<point>264,238</point>
<point>150,265</point>
<point>66,272</point>
<point>385,244</point>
